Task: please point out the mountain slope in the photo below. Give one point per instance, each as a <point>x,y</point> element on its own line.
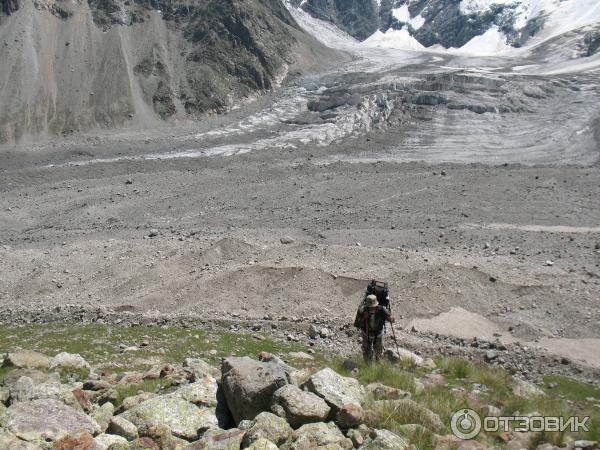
<point>73,66</point>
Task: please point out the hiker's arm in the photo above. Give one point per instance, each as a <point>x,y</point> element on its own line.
<point>388,316</point>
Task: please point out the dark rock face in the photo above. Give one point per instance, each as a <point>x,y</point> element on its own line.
<point>359,18</point>
<point>9,6</point>
<point>592,41</point>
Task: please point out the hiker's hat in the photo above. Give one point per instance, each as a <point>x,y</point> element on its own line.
<point>372,301</point>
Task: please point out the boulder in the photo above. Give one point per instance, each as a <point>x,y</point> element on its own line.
<point>525,389</point>
<point>4,395</point>
<point>47,419</point>
<point>134,400</point>
<point>103,414</point>
<point>248,385</point>
<point>262,444</point>
<point>104,441</point>
<point>201,368</point>
<point>81,440</point>
<point>68,361</point>
<point>432,380</point>
<point>299,407</point>
<point>183,418</point>
<point>25,389</point>
<point>350,415</point>
<point>26,359</point>
<point>385,440</point>
<point>268,426</point>
<point>218,439</point>
<point>202,392</point>
<point>397,355</point>
<point>299,377</point>
<point>380,391</point>
<point>335,389</point>
<point>123,427</point>
<point>316,435</point>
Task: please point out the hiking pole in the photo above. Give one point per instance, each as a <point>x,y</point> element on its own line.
<point>395,340</point>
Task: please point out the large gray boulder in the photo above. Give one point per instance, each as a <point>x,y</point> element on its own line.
<point>385,440</point>
<point>299,407</point>
<point>317,435</point>
<point>202,392</point>
<point>335,389</point>
<point>46,419</point>
<point>183,418</point>
<point>26,359</point>
<point>248,385</point>
<point>268,426</point>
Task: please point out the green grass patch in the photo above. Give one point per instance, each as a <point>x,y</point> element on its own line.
<point>571,389</point>
<point>386,373</point>
<point>100,344</point>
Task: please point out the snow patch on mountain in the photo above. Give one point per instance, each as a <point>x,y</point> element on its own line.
<point>399,39</point>
<point>402,14</point>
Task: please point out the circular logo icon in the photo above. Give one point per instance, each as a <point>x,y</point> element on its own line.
<point>465,424</point>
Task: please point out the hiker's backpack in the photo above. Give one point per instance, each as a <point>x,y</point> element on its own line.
<point>380,290</point>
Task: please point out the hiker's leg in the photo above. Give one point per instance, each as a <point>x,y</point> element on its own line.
<point>378,346</point>
<point>366,348</point>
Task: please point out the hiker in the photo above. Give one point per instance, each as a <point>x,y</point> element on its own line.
<point>370,319</point>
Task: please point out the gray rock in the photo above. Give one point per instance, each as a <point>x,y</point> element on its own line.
<point>25,390</point>
<point>201,368</point>
<point>287,240</point>
<point>268,426</point>
<point>248,385</point>
<point>104,441</point>
<point>26,359</point>
<point>262,444</point>
<point>401,354</point>
<point>317,435</point>
<point>123,427</point>
<point>46,420</point>
<point>299,407</point>
<point>4,395</point>
<point>201,393</point>
<point>385,440</point>
<point>69,361</point>
<point>525,389</point>
<point>313,331</point>
<point>183,418</point>
<point>103,414</point>
<point>335,389</point>
<point>218,439</point>
<point>10,442</point>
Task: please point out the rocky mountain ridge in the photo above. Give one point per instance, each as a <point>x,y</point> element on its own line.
<point>448,23</point>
